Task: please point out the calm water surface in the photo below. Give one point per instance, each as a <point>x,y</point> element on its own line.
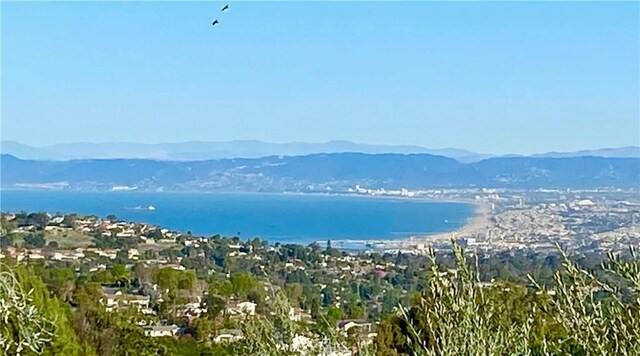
<point>276,217</point>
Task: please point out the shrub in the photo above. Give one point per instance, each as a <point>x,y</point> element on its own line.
<point>22,325</point>
<point>583,313</point>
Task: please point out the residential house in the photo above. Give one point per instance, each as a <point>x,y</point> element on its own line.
<point>161,330</point>
<point>242,308</point>
<point>362,329</point>
<point>360,324</point>
<point>133,254</point>
<point>228,335</point>
<point>114,299</point>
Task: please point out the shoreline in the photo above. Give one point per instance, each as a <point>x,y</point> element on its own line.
<point>474,225</point>
<point>317,194</point>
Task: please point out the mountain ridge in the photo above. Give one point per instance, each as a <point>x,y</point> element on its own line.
<point>321,172</point>
<point>203,150</point>
<point>200,150</point>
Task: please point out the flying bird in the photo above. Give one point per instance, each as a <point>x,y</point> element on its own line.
<point>215,22</point>
<point>225,8</point>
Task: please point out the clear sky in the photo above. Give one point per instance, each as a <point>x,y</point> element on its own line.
<point>502,77</point>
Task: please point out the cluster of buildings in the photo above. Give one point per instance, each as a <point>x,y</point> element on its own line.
<point>403,192</point>
<point>92,225</point>
<point>587,219</point>
<point>579,220</point>
<point>580,224</point>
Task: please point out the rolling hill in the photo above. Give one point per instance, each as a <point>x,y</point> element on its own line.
<point>336,170</point>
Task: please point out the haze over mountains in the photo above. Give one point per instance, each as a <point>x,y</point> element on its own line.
<point>320,172</point>
<point>192,151</point>
<point>300,166</point>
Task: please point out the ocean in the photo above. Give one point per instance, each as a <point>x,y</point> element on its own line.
<point>284,218</point>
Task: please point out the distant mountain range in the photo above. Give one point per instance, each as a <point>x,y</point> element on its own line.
<point>320,172</point>
<point>192,151</point>
<point>631,152</point>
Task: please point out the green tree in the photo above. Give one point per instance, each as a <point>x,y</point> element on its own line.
<point>155,234</point>
<point>242,284</point>
<point>39,220</point>
<point>328,297</point>
<point>294,292</point>
<point>334,314</point>
<point>166,278</point>
<point>315,308</point>
<point>215,305</point>
<point>186,280</point>
<point>62,282</point>
<point>7,240</point>
<point>121,273</point>
<point>7,226</point>
<point>328,250</point>
<point>69,220</point>
<point>102,277</point>
<point>143,273</point>
<point>204,327</point>
<point>223,288</point>
<point>37,321</point>
<point>113,333</point>
<point>36,240</point>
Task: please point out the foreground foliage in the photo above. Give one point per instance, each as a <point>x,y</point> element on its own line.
<point>32,321</point>
<point>583,313</point>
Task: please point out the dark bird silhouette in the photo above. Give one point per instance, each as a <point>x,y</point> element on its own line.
<point>225,8</point>
<point>215,22</point>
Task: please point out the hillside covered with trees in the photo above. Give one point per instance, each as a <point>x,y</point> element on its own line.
<point>446,304</point>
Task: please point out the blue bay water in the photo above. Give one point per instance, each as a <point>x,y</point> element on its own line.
<point>284,218</point>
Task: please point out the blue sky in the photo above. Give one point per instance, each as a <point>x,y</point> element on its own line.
<point>500,77</point>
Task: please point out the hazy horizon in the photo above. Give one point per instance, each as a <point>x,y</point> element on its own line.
<point>195,150</point>
<point>470,150</point>
<point>500,78</point>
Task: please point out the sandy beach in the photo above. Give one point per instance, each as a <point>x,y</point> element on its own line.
<point>476,226</point>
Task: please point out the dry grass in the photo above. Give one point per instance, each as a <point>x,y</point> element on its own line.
<point>68,239</point>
